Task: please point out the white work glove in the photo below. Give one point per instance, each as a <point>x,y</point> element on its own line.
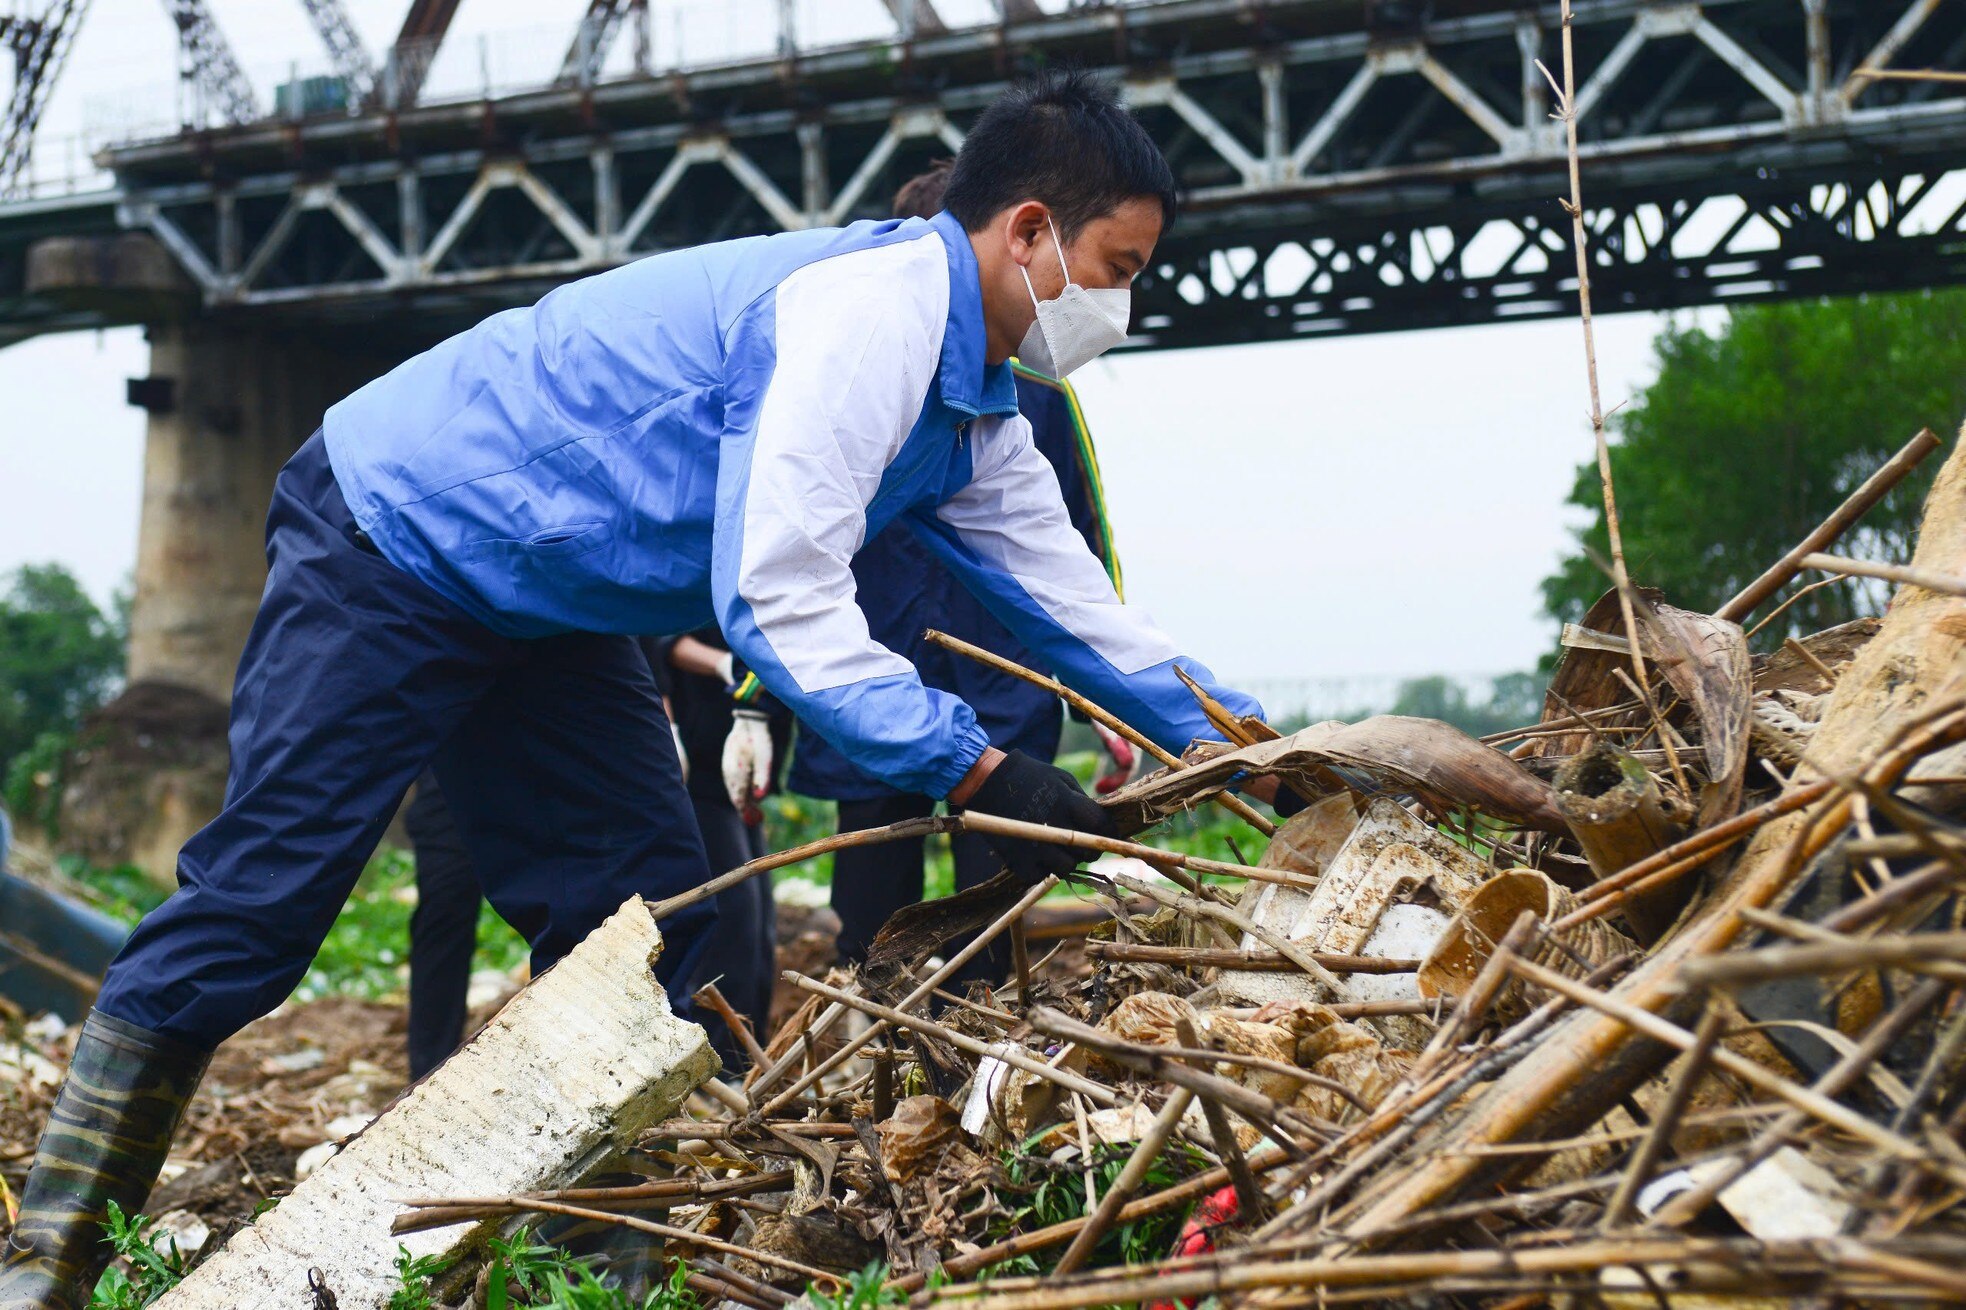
<point>747,762</point>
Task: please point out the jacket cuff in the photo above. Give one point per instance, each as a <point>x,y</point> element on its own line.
<point>970,745</point>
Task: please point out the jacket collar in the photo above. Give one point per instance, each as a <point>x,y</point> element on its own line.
<point>966,382</point>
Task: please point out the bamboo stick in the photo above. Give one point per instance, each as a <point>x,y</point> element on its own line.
<point>1201,957</point>
<point>1943,583</point>
<point>1940,954</point>
<point>916,997</point>
<point>1416,1269</point>
<point>1659,1137</point>
<point>901,831</point>
<point>1010,1055</point>
<point>1144,1156</point>
<point>992,824</point>
<point>1860,502</point>
<point>1805,1099</point>
<point>1249,1200</point>
<point>1233,804</point>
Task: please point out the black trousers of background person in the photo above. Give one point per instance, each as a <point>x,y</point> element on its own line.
<point>740,955</point>
<point>872,882</point>
<point>443,929</point>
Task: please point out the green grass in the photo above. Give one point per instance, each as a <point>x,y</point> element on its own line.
<point>1039,1191</point>
<point>366,953</point>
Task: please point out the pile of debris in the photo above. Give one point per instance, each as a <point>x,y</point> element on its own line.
<point>1663,1000</point>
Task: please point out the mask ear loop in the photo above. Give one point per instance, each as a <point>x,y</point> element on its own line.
<point>1060,247</point>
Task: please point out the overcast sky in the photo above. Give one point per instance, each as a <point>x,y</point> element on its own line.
<point>1361,507</point>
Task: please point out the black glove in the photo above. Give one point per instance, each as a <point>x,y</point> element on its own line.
<point>1036,792</point>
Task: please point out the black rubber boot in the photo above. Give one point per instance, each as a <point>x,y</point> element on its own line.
<point>105,1141</point>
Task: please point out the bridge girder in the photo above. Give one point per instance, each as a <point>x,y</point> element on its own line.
<point>1337,182</point>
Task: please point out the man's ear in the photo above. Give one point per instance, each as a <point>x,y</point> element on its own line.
<point>1024,226</point>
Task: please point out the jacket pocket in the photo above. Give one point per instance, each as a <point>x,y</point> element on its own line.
<point>565,541</point>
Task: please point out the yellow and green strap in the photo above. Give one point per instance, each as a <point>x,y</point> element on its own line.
<point>748,689</point>
<point>1089,464</point>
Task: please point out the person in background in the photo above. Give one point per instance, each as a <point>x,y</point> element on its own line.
<point>443,928</point>
<point>732,737</point>
<point>904,589</point>
<point>735,735</point>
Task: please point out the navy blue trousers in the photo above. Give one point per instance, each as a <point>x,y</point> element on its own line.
<point>739,953</point>
<point>554,755</point>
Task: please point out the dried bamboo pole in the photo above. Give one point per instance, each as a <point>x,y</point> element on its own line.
<point>916,997</point>
<point>1566,95</point>
<point>1233,804</point>
<point>711,1130</point>
<point>1940,954</point>
<point>1860,502</point>
<point>1658,1137</point>
<point>1145,1154</point>
<point>1807,1100</point>
<point>442,1212</point>
<point>1835,1080</point>
<point>528,1205</point>
<point>991,824</point>
<point>1010,1055</point>
<point>1201,957</point>
<point>901,831</point>
<point>1569,723</point>
<point>1156,1061</point>
<point>1907,75</point>
<point>1417,1269</point>
<point>1249,1198</point>
<point>1942,583</point>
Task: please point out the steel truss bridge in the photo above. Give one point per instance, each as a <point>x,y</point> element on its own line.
<point>1349,166</point>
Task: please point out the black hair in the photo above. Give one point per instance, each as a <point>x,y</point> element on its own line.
<point>1062,138</point>
<point>921,195</point>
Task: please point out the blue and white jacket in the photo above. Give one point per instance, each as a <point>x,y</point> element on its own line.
<point>710,435</point>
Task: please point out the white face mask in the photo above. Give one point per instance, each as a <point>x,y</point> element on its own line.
<point>1076,328</point>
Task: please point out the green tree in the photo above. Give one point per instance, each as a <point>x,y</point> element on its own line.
<point>1514,700</point>
<point>59,656</point>
<point>1750,436</point>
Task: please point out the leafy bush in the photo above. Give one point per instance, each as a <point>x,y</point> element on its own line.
<point>60,656</point>
<point>30,784</point>
<point>152,1272</point>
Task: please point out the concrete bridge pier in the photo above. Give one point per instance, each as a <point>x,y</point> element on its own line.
<point>229,401</point>
<point>228,406</point>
